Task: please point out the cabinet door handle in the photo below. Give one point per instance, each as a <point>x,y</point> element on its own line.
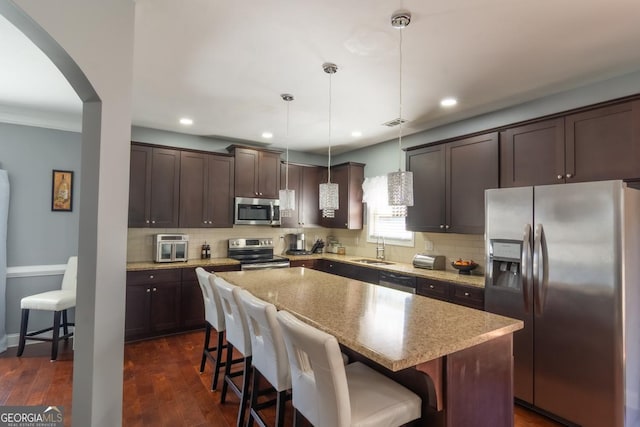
<point>466,294</point>
<point>147,221</point>
<point>148,290</point>
<point>447,226</point>
<point>441,225</point>
<point>151,276</point>
<point>431,287</point>
<point>569,175</point>
<point>155,289</point>
<point>560,177</point>
<point>153,222</point>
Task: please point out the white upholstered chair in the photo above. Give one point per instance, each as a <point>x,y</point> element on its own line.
<point>215,320</point>
<point>58,301</point>
<point>238,337</point>
<point>269,356</point>
<point>330,394</point>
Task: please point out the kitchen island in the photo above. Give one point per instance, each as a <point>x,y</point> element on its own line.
<point>458,359</point>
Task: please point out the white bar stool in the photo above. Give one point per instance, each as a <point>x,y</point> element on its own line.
<point>330,394</point>
<point>215,320</point>
<point>269,356</point>
<point>57,301</point>
<point>237,336</point>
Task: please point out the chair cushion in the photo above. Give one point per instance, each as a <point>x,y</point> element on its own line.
<point>377,400</point>
<point>52,301</point>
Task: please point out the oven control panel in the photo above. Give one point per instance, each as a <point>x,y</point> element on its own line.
<point>251,243</point>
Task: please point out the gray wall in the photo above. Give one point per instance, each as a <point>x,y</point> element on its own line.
<point>36,235</point>
<point>377,157</point>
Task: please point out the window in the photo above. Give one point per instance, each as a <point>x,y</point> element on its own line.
<point>381,221</point>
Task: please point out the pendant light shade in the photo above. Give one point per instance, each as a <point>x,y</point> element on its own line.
<point>400,183</point>
<point>329,191</point>
<point>287,196</point>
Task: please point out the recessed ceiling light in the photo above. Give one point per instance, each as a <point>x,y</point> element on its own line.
<point>186,121</point>
<point>356,134</point>
<point>267,135</point>
<point>448,102</point>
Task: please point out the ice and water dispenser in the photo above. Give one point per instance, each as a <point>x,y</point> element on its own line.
<point>505,263</point>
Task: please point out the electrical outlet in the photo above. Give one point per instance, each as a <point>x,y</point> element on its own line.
<point>428,245</point>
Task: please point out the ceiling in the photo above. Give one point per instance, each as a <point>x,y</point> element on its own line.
<point>224,64</point>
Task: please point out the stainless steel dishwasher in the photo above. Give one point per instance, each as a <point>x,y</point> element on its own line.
<point>400,282</point>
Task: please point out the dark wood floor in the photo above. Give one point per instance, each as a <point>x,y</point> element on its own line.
<point>162,385</point>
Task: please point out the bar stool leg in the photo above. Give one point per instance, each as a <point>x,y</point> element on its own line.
<point>65,325</point>
<point>246,377</point>
<point>56,334</point>
<point>207,334</point>
<point>280,405</point>
<point>23,331</point>
<point>227,371</point>
<point>218,364</point>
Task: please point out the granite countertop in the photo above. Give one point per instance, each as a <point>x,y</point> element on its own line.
<point>400,267</point>
<point>192,263</point>
<point>397,267</point>
<point>393,328</point>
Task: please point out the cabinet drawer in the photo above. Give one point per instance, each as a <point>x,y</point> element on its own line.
<point>307,263</point>
<point>467,295</point>
<point>149,277</point>
<point>432,289</point>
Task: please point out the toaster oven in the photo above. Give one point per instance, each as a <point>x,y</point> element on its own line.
<point>171,247</point>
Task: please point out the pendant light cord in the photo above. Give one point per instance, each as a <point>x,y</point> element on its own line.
<point>329,160</point>
<point>286,175</point>
<point>400,112</point>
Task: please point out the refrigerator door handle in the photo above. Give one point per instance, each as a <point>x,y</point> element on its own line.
<point>536,268</point>
<point>526,268</point>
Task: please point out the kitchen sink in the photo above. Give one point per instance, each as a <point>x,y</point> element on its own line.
<point>373,261</point>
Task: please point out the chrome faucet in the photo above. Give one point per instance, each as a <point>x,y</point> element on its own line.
<point>380,248</point>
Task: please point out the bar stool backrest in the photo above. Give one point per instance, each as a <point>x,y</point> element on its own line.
<point>70,277</point>
<point>212,306</point>
<point>267,342</point>
<point>234,317</point>
<point>319,382</point>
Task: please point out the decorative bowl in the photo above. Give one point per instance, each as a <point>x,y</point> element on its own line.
<point>464,268</point>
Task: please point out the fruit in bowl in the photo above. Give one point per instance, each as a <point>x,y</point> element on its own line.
<point>464,266</point>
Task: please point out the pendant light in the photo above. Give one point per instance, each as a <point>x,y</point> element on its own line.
<point>287,197</point>
<point>400,183</point>
<point>329,191</point>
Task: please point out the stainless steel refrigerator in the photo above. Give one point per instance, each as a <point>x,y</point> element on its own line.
<point>565,259</point>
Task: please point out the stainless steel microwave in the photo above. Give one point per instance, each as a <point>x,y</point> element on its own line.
<point>250,211</point>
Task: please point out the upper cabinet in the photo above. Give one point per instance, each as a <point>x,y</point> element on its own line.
<point>603,143</point>
<point>304,180</point>
<point>206,190</point>
<point>594,145</point>
<point>257,172</point>
<point>449,182</point>
<point>349,177</point>
<point>532,154</point>
<point>154,186</point>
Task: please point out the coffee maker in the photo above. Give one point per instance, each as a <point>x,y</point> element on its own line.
<point>297,244</point>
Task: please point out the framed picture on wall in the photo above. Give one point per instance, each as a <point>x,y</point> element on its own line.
<point>62,191</point>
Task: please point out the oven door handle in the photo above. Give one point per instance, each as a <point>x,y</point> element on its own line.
<point>265,265</point>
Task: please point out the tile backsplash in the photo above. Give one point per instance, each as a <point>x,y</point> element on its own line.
<point>452,246</point>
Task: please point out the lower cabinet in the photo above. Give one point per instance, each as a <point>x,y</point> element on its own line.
<point>151,307</point>
<point>161,302</point>
<point>469,296</point>
<point>364,274</point>
<point>307,263</point>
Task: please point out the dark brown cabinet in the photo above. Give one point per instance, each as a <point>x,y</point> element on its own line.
<point>151,307</point>
<point>206,190</point>
<point>532,154</point>
<point>469,296</point>
<point>307,263</point>
<point>349,177</point>
<point>449,182</point>
<point>593,145</point>
<point>257,172</point>
<point>304,180</point>
<point>154,186</point>
<point>602,144</point>
<point>364,274</point>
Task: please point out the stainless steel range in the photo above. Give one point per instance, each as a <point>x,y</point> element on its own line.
<point>255,254</point>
